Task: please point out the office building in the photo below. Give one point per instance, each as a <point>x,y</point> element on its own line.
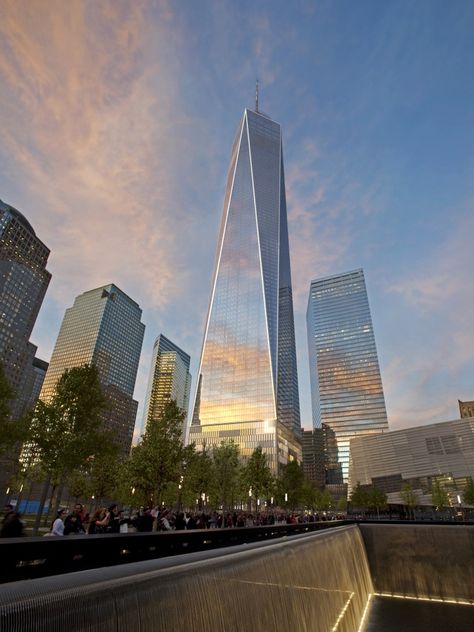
<point>23,283</point>
<point>312,444</point>
<point>103,327</point>
<point>248,383</point>
<point>169,379</point>
<point>34,382</point>
<point>320,457</point>
<point>346,386</point>
<point>437,453</point>
<point>466,409</point>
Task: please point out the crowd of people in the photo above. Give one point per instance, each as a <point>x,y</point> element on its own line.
<point>146,519</point>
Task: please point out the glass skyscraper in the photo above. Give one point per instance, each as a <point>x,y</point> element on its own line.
<point>169,379</point>
<point>248,382</point>
<point>23,284</point>
<point>346,386</point>
<point>103,327</point>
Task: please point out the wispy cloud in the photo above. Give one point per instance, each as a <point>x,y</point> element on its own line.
<point>85,126</point>
<point>437,297</point>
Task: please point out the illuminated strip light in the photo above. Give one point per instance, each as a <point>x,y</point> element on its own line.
<point>248,581</point>
<point>364,614</point>
<point>461,602</point>
<point>342,613</point>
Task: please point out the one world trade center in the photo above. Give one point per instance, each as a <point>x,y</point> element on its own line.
<point>248,383</point>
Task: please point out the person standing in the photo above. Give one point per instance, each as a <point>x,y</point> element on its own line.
<point>58,525</point>
<point>113,519</point>
<point>12,525</point>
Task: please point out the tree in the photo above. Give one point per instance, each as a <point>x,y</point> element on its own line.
<point>257,476</point>
<point>360,497</point>
<point>226,468</point>
<point>468,494</point>
<point>324,500</point>
<point>309,494</point>
<point>158,459</point>
<point>99,477</point>
<point>68,430</point>
<point>342,504</point>
<point>290,485</point>
<point>409,497</point>
<point>198,478</point>
<point>377,499</point>
<point>12,431</point>
<point>439,496</point>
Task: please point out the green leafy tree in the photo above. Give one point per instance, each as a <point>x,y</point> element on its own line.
<point>198,478</point>
<point>468,494</point>
<point>226,467</point>
<point>439,496</point>
<point>158,460</point>
<point>342,504</point>
<point>377,499</point>
<point>291,484</point>
<point>12,431</point>
<point>68,430</point>
<point>98,478</point>
<point>309,494</point>
<point>324,500</point>
<point>409,497</point>
<point>360,497</point>
<point>257,476</point>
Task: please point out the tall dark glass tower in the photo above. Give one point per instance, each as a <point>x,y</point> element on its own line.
<point>23,283</point>
<point>346,386</point>
<point>248,382</point>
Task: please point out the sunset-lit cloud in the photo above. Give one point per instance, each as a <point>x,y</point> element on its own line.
<point>88,132</point>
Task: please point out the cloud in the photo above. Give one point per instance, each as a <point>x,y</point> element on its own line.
<point>89,130</point>
<point>437,299</point>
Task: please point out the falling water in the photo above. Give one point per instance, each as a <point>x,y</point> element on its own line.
<point>315,582</point>
<point>421,561</point>
<point>318,582</point>
<point>421,577</point>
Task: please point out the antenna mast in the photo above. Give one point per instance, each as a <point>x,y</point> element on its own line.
<point>256,96</point>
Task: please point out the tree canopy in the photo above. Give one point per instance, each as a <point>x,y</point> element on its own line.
<point>158,459</point>
<point>257,477</point>
<point>12,431</point>
<point>68,430</point>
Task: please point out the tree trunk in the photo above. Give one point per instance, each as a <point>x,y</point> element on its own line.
<point>51,499</point>
<point>57,500</point>
<point>44,494</point>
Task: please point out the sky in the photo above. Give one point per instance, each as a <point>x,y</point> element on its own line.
<point>116,125</point>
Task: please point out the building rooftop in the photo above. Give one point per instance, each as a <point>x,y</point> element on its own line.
<point>17,215</point>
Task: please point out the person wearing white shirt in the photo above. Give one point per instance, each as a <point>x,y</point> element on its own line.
<point>58,524</point>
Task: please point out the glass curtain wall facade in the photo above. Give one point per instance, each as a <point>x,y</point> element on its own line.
<point>169,379</point>
<point>23,284</point>
<point>248,383</point>
<point>346,386</point>
<point>103,327</point>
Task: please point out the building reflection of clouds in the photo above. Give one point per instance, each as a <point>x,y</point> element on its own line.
<point>236,383</point>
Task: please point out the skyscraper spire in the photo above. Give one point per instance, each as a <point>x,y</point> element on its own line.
<point>256,95</point>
